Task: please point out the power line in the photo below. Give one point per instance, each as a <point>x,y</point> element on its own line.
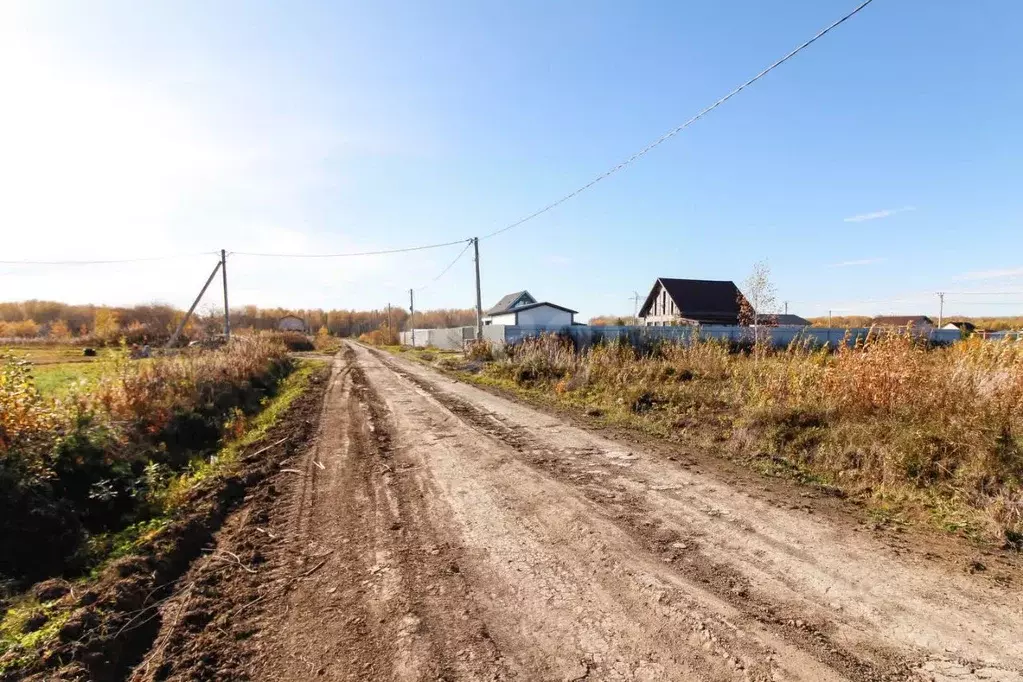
<point>107,262</point>
<point>346,255</point>
<point>443,272</point>
<point>984,293</point>
<point>675,131</point>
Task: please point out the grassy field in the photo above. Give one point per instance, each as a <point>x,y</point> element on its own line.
<point>58,369</point>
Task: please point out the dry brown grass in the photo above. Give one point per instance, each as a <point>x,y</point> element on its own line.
<point>889,420</point>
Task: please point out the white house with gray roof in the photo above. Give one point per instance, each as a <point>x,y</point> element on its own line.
<point>521,309</point>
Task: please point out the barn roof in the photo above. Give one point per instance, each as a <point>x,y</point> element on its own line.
<point>699,298</point>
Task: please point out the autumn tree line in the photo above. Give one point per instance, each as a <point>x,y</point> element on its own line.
<point>154,322</point>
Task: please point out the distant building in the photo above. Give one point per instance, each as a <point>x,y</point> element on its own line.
<point>291,323</point>
<point>965,327</point>
<point>917,322</point>
<point>786,320</point>
<point>691,301</point>
<point>520,308</point>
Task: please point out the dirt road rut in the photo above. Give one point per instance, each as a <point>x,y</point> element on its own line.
<point>436,531</point>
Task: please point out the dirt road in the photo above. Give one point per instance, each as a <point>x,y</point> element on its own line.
<point>438,532</point>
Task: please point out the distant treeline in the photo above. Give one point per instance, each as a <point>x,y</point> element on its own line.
<point>27,319</point>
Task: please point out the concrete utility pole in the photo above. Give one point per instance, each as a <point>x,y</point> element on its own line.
<point>786,307</point>
<point>227,311</point>
<point>412,315</point>
<point>941,307</point>
<point>184,320</point>
<point>479,298</point>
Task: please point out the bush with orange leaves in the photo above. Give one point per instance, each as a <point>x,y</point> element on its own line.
<point>87,463</point>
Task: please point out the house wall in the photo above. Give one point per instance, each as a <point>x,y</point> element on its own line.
<point>544,316</point>
<point>503,318</point>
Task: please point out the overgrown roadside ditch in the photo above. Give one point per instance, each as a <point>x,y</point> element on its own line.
<point>99,627</point>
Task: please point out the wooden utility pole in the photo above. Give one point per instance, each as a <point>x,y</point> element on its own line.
<point>479,298</point>
<point>184,320</point>
<point>227,311</point>
<point>412,315</point>
<point>388,321</point>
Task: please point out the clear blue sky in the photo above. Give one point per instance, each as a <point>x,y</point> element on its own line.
<point>881,164</point>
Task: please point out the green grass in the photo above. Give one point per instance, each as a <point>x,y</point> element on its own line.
<point>58,379</point>
<point>58,369</point>
<point>18,647</point>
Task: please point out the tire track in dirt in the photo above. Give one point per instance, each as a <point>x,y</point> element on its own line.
<point>336,574</point>
<point>566,591</point>
<point>846,644</point>
<point>434,532</point>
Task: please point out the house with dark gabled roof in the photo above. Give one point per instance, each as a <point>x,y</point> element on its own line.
<point>521,309</point>
<point>691,301</point>
<point>786,320</point>
<point>917,322</point>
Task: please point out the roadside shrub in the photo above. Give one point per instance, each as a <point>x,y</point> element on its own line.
<point>479,349</point>
<point>541,359</point>
<point>380,337</point>
<point>296,342</point>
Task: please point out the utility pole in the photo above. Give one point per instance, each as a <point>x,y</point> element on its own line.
<point>227,311</point>
<point>786,307</point>
<point>412,315</point>
<point>479,298</point>
<point>388,321</point>
<point>635,306</point>
<point>184,320</point>
<point>941,307</point>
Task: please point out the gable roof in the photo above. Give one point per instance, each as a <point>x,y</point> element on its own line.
<point>787,320</point>
<point>540,304</point>
<point>708,299</point>
<point>508,301</point>
<point>901,320</point>
<point>962,325</point>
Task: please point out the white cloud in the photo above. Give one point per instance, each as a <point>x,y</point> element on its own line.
<point>1007,273</point>
<point>884,213</point>
<point>852,263</point>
